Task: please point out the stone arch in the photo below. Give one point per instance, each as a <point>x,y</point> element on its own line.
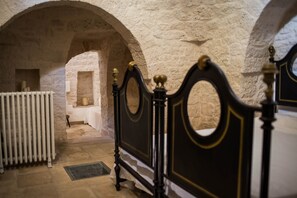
<point>285,39</point>
<point>273,17</point>
<point>130,41</point>
<point>271,20</point>
<point>55,66</point>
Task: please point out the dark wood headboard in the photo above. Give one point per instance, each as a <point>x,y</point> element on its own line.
<point>135,128</point>
<point>286,80</point>
<point>217,165</point>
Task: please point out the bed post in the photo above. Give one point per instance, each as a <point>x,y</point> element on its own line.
<point>115,92</point>
<point>159,102</point>
<point>268,109</point>
<point>271,51</point>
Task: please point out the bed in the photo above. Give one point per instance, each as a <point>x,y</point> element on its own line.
<point>182,163</point>
<point>282,183</point>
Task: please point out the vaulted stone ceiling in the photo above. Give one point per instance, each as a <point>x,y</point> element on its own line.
<point>55,27</point>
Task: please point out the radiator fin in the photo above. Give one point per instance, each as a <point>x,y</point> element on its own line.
<point>27,128</point>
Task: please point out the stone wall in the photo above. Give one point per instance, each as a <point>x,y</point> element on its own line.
<point>119,57</point>
<point>31,78</point>
<point>172,35</point>
<point>269,19</point>
<point>133,96</point>
<point>85,88</point>
<point>203,100</point>
<point>163,37</point>
<point>285,39</point>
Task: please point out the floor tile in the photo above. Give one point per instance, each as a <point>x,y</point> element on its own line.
<point>37,180</point>
<point>34,179</point>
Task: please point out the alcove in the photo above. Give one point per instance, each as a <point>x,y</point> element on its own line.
<point>85,88</point>
<point>28,77</point>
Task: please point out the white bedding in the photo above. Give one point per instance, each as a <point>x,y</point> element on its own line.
<point>283,166</point>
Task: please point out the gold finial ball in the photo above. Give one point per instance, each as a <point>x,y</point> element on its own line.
<point>131,65</point>
<point>202,62</point>
<point>271,51</point>
<point>157,79</point>
<point>163,79</point>
<point>115,71</point>
<point>160,79</point>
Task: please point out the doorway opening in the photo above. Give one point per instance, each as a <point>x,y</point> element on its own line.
<point>83,106</point>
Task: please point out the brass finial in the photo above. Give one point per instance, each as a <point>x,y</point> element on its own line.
<point>202,62</point>
<point>131,65</point>
<point>160,79</point>
<point>115,73</point>
<point>271,53</point>
<point>157,80</point>
<point>269,70</point>
<point>163,79</point>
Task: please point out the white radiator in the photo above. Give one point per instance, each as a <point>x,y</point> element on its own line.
<point>26,128</point>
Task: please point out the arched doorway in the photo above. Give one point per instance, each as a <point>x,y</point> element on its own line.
<point>83,99</point>
<point>271,20</point>
<point>46,36</point>
<point>270,23</point>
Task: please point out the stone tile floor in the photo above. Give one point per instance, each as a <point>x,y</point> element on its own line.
<point>39,181</point>
<point>81,133</point>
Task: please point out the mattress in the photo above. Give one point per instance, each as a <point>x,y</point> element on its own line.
<point>283,165</point>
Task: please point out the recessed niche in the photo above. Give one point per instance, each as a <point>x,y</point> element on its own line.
<point>27,78</point>
<point>85,88</point>
<point>204,108</point>
<point>132,95</point>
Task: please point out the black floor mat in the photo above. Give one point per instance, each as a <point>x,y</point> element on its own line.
<point>82,171</point>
